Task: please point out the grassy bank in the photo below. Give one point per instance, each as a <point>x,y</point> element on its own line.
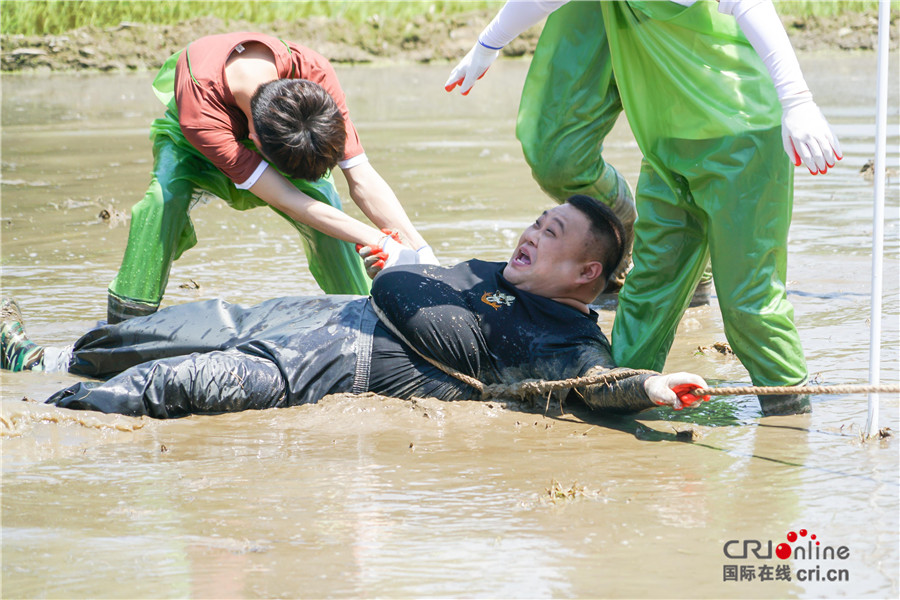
<point>53,17</point>
<point>38,17</point>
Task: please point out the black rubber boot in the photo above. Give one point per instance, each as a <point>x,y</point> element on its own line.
<point>793,404</point>
<point>120,309</point>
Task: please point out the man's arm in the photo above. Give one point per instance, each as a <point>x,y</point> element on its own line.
<point>377,200</point>
<point>278,192</point>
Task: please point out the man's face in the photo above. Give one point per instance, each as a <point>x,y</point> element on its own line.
<point>550,255</point>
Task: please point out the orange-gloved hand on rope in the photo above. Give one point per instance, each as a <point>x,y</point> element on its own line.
<point>675,389</point>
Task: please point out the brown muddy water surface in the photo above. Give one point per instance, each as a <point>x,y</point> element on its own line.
<point>377,497</point>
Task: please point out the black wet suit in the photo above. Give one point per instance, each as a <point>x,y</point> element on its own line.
<point>213,357</point>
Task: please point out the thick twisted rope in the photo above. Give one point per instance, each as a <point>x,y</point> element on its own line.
<point>798,389</point>
<point>542,387</point>
<point>536,386</point>
<point>529,387</point>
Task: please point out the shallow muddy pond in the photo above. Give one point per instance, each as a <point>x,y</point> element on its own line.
<point>377,497</point>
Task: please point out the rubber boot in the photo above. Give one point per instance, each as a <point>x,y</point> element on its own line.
<point>704,288</point>
<point>121,309</point>
<point>793,404</point>
<point>17,352</point>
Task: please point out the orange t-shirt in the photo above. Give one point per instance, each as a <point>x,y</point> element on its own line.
<point>209,116</point>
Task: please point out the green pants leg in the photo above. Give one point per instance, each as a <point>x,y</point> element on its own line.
<point>727,200</point>
<point>569,105</point>
<point>161,229</point>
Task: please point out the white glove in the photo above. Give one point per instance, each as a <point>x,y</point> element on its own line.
<point>397,253</point>
<point>807,137</point>
<point>664,390</point>
<point>472,67</point>
<point>425,256</point>
<point>387,253</point>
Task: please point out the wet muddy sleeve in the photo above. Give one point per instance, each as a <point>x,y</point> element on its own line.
<point>210,383</point>
<point>620,396</point>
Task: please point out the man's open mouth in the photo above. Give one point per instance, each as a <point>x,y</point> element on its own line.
<point>521,258</point>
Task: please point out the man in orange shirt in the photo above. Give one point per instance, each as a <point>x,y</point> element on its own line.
<point>255,121</point>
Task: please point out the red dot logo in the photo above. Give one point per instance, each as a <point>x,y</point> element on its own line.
<point>802,533</point>
<point>783,551</point>
<point>792,537</point>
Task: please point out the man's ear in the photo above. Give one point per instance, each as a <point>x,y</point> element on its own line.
<point>254,138</point>
<point>590,272</point>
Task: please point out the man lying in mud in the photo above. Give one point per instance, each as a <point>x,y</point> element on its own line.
<point>499,323</point>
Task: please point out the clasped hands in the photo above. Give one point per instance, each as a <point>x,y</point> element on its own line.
<point>390,251</point>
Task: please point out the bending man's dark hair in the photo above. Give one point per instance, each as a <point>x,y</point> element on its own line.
<point>607,245</point>
<point>300,127</point>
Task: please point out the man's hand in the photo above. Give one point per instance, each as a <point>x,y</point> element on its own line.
<point>674,389</point>
<point>807,137</point>
<point>387,253</point>
<point>373,259</point>
<point>472,67</point>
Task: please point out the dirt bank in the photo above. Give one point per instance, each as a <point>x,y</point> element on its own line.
<point>139,46</point>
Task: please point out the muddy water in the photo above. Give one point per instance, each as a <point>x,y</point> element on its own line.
<point>379,497</point>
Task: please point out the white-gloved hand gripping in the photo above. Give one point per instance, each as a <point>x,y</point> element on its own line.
<point>669,390</point>
<point>806,135</point>
<point>397,253</point>
<point>387,253</point>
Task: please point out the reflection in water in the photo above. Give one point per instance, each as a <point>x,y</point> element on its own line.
<point>378,497</point>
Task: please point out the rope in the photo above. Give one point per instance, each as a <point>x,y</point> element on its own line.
<point>798,389</point>
<point>468,380</point>
<point>519,389</point>
<point>539,386</point>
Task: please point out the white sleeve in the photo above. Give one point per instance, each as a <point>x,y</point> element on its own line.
<point>254,177</point>
<point>352,162</point>
<point>760,23</point>
<point>736,8</point>
<point>515,17</point>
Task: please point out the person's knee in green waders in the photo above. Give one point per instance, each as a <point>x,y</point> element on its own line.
<point>569,104</point>
<point>257,121</point>
<point>690,80</point>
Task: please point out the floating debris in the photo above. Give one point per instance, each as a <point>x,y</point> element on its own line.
<point>883,434</point>
<point>112,217</point>
<point>868,171</point>
<point>688,434</point>
<point>720,347</point>
<point>557,493</point>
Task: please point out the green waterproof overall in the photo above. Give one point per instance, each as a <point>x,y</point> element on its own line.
<point>714,183</point>
<point>161,228</point>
